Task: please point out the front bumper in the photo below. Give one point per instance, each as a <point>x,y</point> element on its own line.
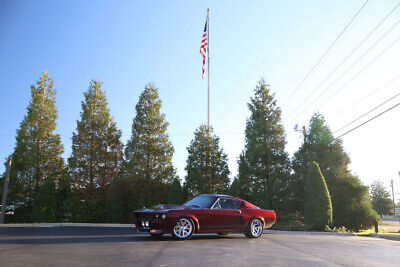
<point>156,226</point>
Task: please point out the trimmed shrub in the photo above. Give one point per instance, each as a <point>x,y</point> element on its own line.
<point>318,205</point>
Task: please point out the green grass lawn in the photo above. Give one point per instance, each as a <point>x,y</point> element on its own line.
<point>385,228</point>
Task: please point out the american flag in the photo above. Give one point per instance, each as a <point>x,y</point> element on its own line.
<point>203,49</point>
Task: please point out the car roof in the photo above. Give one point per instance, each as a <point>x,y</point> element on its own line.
<point>219,195</point>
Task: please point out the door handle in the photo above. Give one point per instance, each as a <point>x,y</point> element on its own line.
<point>239,211</point>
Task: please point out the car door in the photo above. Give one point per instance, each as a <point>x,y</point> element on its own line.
<point>203,216</point>
<point>225,215</point>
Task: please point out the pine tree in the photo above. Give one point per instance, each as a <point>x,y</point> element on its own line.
<point>45,205</point>
<point>176,193</point>
<point>234,188</point>
<point>318,145</point>
<point>116,201</point>
<point>97,154</point>
<point>207,164</point>
<point>263,165</point>
<point>149,170</point>
<point>37,154</point>
<point>318,205</point>
<point>350,199</point>
<point>64,198</point>
<point>149,151</point>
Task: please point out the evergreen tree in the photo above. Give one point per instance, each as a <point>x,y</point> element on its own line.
<point>263,165</point>
<point>64,198</point>
<point>149,151</point>
<point>234,188</point>
<point>318,205</point>
<point>318,145</point>
<point>148,154</point>
<point>38,150</point>
<point>350,199</point>
<point>381,201</point>
<point>97,154</point>
<point>207,164</point>
<point>176,193</point>
<point>45,205</point>
<point>116,201</point>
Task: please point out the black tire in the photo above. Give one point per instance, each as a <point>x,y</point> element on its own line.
<point>254,229</point>
<point>223,233</point>
<point>184,229</point>
<point>156,235</point>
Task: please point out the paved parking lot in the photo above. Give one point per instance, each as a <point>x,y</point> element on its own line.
<point>122,246</point>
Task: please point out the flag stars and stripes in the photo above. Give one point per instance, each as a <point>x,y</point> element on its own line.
<point>203,49</point>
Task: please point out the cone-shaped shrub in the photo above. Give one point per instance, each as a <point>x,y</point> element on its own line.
<point>318,205</point>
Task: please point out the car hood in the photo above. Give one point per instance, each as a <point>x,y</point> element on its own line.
<point>163,208</point>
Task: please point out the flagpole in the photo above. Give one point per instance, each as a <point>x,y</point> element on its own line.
<point>208,70</point>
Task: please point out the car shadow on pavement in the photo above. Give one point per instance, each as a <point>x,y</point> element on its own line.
<point>83,238</point>
<point>65,231</point>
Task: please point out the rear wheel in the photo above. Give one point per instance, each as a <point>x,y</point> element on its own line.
<point>254,229</point>
<point>183,229</point>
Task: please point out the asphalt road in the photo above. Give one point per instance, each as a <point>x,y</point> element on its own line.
<point>100,246</point>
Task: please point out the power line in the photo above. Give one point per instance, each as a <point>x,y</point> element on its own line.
<point>349,81</point>
<point>305,107</point>
<point>324,54</point>
<point>365,97</point>
<point>361,71</point>
<point>358,126</point>
<point>350,54</point>
<point>365,114</point>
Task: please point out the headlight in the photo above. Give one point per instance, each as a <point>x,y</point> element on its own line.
<point>156,215</point>
<point>164,216</point>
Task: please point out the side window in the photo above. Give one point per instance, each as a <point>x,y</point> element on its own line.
<point>229,204</point>
<point>217,205</point>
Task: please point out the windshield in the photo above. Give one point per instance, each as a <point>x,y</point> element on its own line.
<point>202,201</point>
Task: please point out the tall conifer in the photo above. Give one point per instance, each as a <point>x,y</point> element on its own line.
<point>350,199</point>
<point>149,151</point>
<point>37,154</point>
<point>263,165</point>
<point>97,154</point>
<point>207,164</point>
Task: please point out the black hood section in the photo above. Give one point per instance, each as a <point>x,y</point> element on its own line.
<point>165,208</point>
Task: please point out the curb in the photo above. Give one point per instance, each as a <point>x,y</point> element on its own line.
<point>116,225</point>
<point>383,236</point>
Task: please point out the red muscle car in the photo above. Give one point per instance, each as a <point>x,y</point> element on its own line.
<point>205,214</point>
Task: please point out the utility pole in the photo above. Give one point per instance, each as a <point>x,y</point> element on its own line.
<point>302,131</point>
<point>5,190</point>
<point>394,203</point>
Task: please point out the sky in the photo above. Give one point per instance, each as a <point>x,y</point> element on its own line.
<point>127,44</point>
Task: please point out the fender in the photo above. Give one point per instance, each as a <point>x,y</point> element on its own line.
<point>256,217</point>
<point>196,221</point>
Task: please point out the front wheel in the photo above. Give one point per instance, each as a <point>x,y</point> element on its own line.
<point>183,229</point>
<point>254,229</point>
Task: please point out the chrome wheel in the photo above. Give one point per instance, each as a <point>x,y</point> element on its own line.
<point>183,228</point>
<point>256,227</point>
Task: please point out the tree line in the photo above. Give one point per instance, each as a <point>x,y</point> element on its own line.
<point>104,180</point>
